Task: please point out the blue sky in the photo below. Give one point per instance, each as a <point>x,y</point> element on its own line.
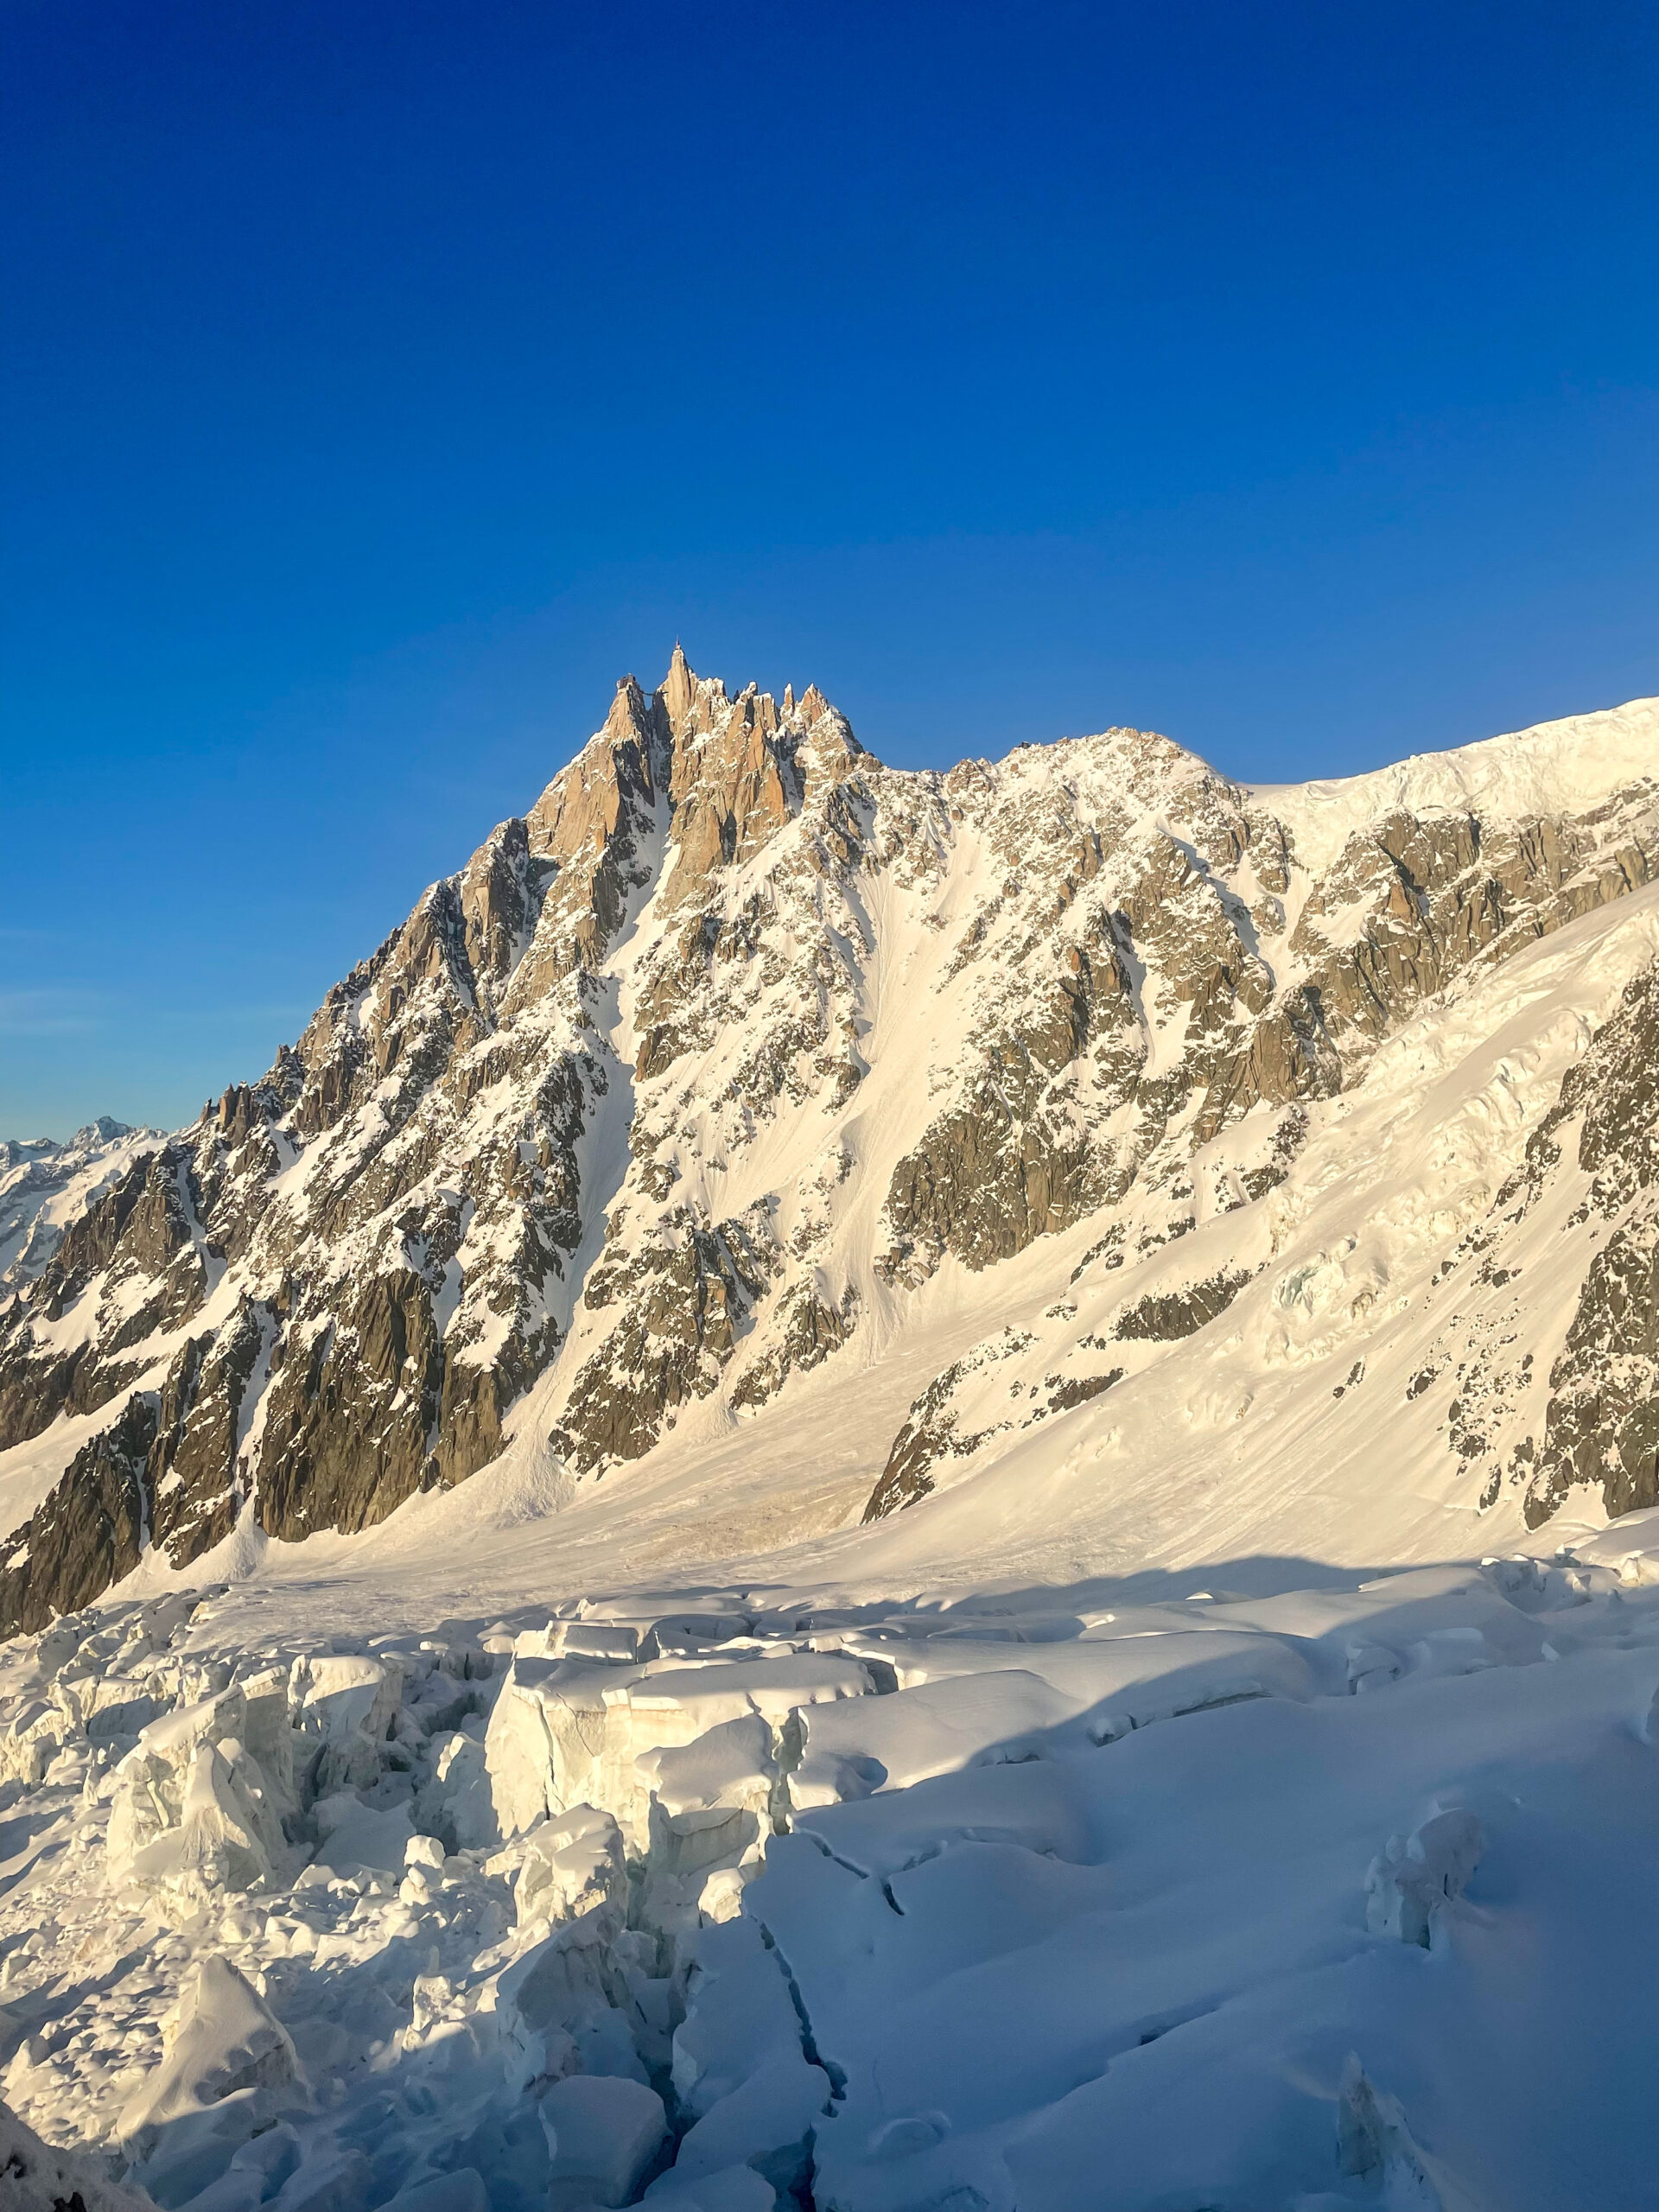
<point>382,381</point>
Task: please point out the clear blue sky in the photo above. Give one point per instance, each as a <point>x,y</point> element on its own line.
<point>382,381</point>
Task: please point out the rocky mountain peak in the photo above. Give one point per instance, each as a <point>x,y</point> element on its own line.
<point>679,690</point>
<point>732,771</point>
<point>740,1054</point>
<point>104,1128</point>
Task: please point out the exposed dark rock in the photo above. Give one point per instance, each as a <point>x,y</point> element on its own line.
<point>933,1430</point>
<point>141,1231</point>
<point>192,1470</point>
<point>142,1221</point>
<point>1287,1139</point>
<point>1164,1316</point>
<point>986,1183</point>
<point>1440,894</point>
<point>90,1531</point>
<point>1602,1423</point>
<point>809,1330</point>
<point>1078,1390</point>
<point>682,1301</point>
<point>1289,1054</point>
<point>346,1429</point>
<point>1107,1249</point>
<point>906,1479</point>
<point>469,1416</point>
<point>36,1176</point>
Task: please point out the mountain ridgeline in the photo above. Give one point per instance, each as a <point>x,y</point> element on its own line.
<point>722,1063</point>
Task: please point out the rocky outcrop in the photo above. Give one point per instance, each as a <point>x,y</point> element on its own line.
<point>193,1473</point>
<point>1602,1426</point>
<point>933,1430</point>
<point>91,1530</point>
<point>351,1411</point>
<point>1433,894</point>
<point>806,1329</point>
<point>1164,1316</point>
<point>1603,1423</point>
<point>134,1266</point>
<point>984,1185</point>
<point>682,1301</point>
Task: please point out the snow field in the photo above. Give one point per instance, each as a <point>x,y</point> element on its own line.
<point>712,1896</point>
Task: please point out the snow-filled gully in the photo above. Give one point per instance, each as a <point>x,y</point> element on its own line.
<point>717,1900</point>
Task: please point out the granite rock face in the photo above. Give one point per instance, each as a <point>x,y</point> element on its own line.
<point>1601,1425</point>
<point>699,1079</point>
<point>91,1530</point>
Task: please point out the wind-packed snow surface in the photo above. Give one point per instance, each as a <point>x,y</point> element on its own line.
<point>911,1494</point>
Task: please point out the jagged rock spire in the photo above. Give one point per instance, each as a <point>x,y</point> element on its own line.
<point>628,717</point>
<point>679,688</point>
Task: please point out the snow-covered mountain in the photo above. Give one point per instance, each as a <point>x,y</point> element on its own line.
<point>743,1075</point>
<point>894,1491</point>
<point>45,1184</point>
